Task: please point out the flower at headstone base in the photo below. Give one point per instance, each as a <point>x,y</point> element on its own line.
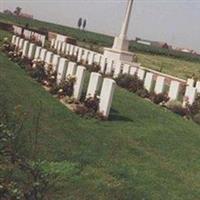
<point>60,90</point>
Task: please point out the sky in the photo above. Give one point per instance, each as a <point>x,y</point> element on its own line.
<point>173,21</point>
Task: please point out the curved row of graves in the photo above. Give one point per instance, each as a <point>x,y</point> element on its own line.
<point>63,68</point>
<point>153,81</point>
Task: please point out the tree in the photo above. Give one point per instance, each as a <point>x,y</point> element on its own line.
<point>84,24</point>
<point>17,11</point>
<point>79,22</point>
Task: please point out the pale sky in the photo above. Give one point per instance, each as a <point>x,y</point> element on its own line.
<point>173,21</point>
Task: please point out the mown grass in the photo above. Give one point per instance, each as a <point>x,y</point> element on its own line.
<point>142,152</point>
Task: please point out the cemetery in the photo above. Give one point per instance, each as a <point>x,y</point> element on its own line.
<point>109,126</point>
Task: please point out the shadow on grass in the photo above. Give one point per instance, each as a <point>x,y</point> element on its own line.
<point>114,116</point>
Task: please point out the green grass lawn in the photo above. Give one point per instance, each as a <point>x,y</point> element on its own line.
<point>142,152</point>
<point>172,66</point>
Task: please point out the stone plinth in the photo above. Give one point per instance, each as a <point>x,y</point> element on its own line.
<point>119,55</point>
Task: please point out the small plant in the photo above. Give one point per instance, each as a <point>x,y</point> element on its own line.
<point>143,93</point>
<point>89,108</point>
<point>38,72</point>
<point>131,83</point>
<point>159,98</point>
<point>196,118</point>
<point>65,88</point>
<point>92,104</point>
<point>93,68</point>
<point>177,107</point>
<point>195,107</point>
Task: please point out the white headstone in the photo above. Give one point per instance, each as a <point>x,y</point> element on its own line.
<point>103,64</point>
<point>21,43</point>
<point>118,68</point>
<point>37,52</point>
<point>71,69</point>
<point>78,86</point>
<point>126,69</point>
<point>25,49</point>
<point>62,69</point>
<point>67,49</point>
<point>160,83</point>
<point>174,90</point>
<point>63,47</point>
<point>94,84</point>
<point>42,39</point>
<point>109,67</point>
<point>55,62</point>
<point>17,41</point>
<point>133,71</point>
<point>91,58</point>
<point>85,55</point>
<point>43,54</point>
<point>198,86</point>
<point>80,54</point>
<point>13,39</point>
<point>76,50</point>
<point>71,51</point>
<point>59,46</point>
<point>148,81</point>
<point>31,51</point>
<point>53,43</point>
<point>49,57</point>
<point>106,96</point>
<point>97,58</point>
<point>190,95</point>
<point>190,82</point>
<point>141,74</point>
<point>56,44</point>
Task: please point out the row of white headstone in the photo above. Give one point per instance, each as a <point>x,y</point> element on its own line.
<point>87,56</point>
<point>28,34</point>
<point>115,69</point>
<point>37,36</point>
<point>64,68</point>
<point>152,82</point>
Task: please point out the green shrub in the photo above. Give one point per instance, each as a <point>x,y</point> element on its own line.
<point>159,98</point>
<point>143,93</point>
<point>195,107</point>
<point>38,72</point>
<point>131,83</point>
<point>177,107</point>
<point>196,118</point>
